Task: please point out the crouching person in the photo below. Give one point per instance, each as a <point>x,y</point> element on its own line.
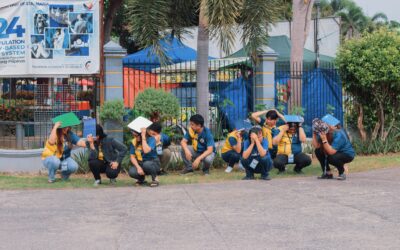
<point>162,143</point>
<point>202,147</point>
<point>232,150</point>
<point>144,158</point>
<point>57,152</point>
<point>105,156</point>
<point>256,158</point>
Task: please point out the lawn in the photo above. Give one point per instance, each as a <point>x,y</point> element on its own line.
<point>26,181</point>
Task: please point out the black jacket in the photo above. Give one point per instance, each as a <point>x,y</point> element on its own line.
<point>112,150</point>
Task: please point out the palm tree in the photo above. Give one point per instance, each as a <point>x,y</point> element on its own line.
<point>354,22</point>
<point>152,21</point>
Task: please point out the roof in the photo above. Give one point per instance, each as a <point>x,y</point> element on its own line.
<point>282,45</point>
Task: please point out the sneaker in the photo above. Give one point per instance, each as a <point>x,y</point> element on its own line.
<point>265,178</point>
<point>154,184</point>
<point>341,177</point>
<point>186,171</point>
<point>96,183</point>
<point>228,169</point>
<point>51,181</point>
<point>325,176</point>
<point>206,173</point>
<point>113,181</point>
<point>246,178</point>
<point>140,183</point>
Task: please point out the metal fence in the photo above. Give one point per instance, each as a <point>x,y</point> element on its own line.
<point>28,104</point>
<point>230,88</point>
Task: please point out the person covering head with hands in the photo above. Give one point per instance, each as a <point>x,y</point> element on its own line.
<point>162,143</point>
<point>332,146</point>
<point>268,125</point>
<point>105,155</point>
<point>202,148</point>
<point>57,151</point>
<point>289,141</point>
<point>233,147</point>
<point>144,159</point>
<point>255,157</point>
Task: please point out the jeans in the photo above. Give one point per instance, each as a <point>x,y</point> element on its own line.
<point>231,157</point>
<point>207,162</point>
<point>98,166</point>
<point>53,163</point>
<point>301,160</point>
<point>150,167</point>
<point>338,160</point>
<point>263,167</point>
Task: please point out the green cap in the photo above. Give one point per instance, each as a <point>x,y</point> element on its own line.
<point>67,120</point>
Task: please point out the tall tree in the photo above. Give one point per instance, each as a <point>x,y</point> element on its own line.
<point>111,8</point>
<point>302,10</point>
<point>151,21</point>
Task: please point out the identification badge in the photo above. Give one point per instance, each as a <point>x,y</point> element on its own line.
<point>64,166</point>
<point>253,163</point>
<point>159,150</point>
<point>290,159</point>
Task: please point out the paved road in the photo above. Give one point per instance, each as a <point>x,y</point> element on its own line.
<point>297,213</point>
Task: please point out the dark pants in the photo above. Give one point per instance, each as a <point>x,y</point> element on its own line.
<point>263,167</point>
<point>338,160</point>
<point>301,160</point>
<point>97,166</point>
<point>150,167</point>
<point>231,157</point>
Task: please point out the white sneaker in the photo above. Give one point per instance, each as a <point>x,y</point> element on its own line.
<point>228,169</point>
<point>96,183</point>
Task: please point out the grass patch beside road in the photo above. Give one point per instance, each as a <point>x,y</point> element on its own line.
<point>26,181</point>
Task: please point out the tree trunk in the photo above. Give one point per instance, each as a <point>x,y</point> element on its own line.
<point>109,18</point>
<point>360,125</point>
<point>301,24</point>
<point>202,67</point>
<point>382,120</point>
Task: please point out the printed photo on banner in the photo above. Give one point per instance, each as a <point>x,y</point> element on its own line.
<point>57,38</point>
<point>79,46</point>
<point>40,22</point>
<point>81,23</point>
<point>59,15</point>
<point>38,48</point>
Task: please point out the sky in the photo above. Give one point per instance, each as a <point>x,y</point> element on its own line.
<point>390,7</point>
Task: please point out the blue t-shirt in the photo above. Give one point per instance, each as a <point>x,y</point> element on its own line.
<point>341,143</point>
<point>204,140</point>
<point>74,140</point>
<point>151,141</point>
<point>232,141</point>
<point>165,140</point>
<point>254,153</point>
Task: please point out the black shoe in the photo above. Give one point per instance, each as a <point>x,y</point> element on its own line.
<point>186,171</point>
<point>163,172</point>
<point>341,177</point>
<point>140,183</point>
<point>246,178</point>
<point>298,171</point>
<point>325,176</point>
<point>265,178</point>
<point>281,171</point>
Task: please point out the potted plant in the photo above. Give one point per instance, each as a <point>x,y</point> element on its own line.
<point>111,116</point>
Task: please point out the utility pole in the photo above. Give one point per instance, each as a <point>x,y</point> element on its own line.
<point>318,4</point>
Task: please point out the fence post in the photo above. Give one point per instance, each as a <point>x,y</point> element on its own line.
<point>113,83</point>
<point>113,71</point>
<point>264,84</point>
<point>20,134</point>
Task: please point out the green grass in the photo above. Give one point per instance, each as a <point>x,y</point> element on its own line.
<point>361,163</point>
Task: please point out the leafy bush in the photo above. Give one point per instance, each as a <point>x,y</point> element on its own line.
<point>112,110</point>
<point>23,94</point>
<point>155,102</point>
<point>82,158</point>
<point>16,114</point>
<point>370,147</point>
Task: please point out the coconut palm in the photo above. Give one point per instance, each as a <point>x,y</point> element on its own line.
<point>152,21</point>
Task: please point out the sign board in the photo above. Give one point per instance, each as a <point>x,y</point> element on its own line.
<point>49,37</point>
<point>139,123</point>
<point>89,127</point>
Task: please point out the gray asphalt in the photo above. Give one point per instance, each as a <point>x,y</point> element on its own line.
<point>362,212</point>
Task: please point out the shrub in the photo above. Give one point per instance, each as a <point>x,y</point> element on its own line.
<point>377,146</point>
<point>82,159</point>
<point>112,110</point>
<point>154,102</point>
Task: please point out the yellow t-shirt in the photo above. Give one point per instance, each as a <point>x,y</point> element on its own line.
<point>51,150</point>
<point>227,145</point>
<point>138,150</point>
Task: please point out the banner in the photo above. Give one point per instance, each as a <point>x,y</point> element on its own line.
<point>49,37</point>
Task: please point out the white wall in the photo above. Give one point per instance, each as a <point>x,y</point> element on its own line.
<point>329,34</point>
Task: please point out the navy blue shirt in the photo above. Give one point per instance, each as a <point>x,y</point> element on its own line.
<point>204,140</point>
<point>165,140</point>
<point>151,141</point>
<point>254,153</point>
<point>341,143</point>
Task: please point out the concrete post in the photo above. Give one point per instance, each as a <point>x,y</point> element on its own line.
<point>264,85</point>
<point>113,83</point>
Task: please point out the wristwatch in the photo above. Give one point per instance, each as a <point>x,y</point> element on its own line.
<point>325,142</point>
